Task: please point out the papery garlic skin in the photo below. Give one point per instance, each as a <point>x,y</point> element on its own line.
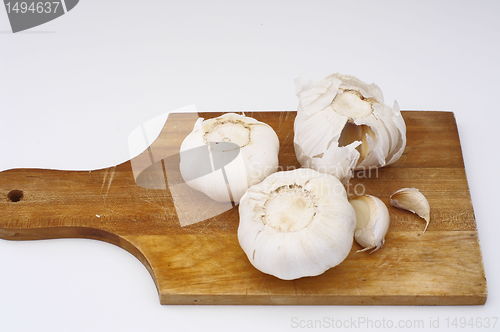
<point>372,222</point>
<point>257,157</point>
<point>296,224</point>
<point>411,199</point>
<point>342,124</point>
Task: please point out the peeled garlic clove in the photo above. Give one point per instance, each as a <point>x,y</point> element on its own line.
<point>372,222</point>
<point>296,224</point>
<point>411,199</point>
<point>342,124</point>
<point>233,152</point>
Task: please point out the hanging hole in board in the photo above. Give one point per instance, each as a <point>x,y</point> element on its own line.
<point>15,195</point>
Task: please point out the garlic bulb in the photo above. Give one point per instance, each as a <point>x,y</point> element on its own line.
<point>223,156</point>
<point>296,223</point>
<point>372,222</point>
<point>342,124</point>
<point>411,199</point>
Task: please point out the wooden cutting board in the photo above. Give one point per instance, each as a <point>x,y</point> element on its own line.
<point>202,263</point>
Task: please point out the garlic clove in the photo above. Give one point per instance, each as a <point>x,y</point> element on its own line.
<point>399,131</point>
<point>313,145</point>
<point>411,199</point>
<point>316,95</point>
<point>296,223</point>
<point>219,174</point>
<point>372,222</point>
<point>377,144</point>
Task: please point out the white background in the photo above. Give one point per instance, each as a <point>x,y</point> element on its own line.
<point>72,89</point>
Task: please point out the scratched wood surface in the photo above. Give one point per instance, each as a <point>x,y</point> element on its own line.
<point>132,205</point>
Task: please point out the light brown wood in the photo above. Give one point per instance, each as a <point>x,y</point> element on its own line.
<point>203,263</point>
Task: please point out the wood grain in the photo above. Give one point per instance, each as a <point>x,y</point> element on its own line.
<point>203,263</point>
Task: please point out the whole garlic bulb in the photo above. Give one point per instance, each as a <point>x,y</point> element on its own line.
<point>342,124</point>
<point>296,223</point>
<point>240,151</point>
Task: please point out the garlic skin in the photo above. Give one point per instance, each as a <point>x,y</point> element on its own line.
<point>372,222</point>
<point>411,199</point>
<point>342,124</point>
<point>257,148</point>
<point>296,224</point>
